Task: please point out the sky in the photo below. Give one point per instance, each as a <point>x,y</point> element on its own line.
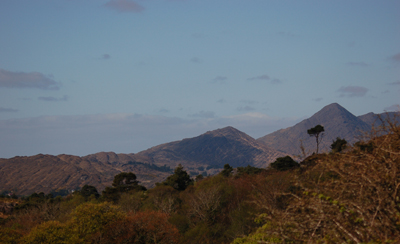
<point>79,77</point>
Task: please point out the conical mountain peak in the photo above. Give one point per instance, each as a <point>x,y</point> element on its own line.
<point>336,120</point>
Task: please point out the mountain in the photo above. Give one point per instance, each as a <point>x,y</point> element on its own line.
<point>212,149</point>
<point>44,173</point>
<point>205,154</point>
<point>376,119</point>
<point>337,122</point>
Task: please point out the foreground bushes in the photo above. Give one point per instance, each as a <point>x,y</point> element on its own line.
<point>105,223</point>
<point>351,197</point>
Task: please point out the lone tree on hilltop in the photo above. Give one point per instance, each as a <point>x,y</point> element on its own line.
<point>317,131</point>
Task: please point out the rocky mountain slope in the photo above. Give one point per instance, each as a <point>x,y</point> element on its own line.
<point>204,154</point>
<point>212,149</point>
<point>44,173</point>
<point>337,122</point>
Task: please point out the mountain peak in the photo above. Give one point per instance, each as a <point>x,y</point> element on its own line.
<point>333,109</point>
<point>337,121</point>
<point>226,131</point>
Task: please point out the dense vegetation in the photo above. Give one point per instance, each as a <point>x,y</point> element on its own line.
<point>350,195</point>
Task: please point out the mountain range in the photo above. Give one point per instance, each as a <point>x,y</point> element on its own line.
<point>337,122</point>
<point>205,154</point>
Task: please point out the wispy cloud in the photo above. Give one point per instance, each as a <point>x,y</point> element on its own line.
<point>220,79</point>
<point>203,114</point>
<point>8,110</point>
<point>286,34</point>
<point>265,78</point>
<point>54,99</point>
<point>395,57</point>
<point>163,110</point>
<point>358,64</point>
<point>249,102</point>
<point>124,6</point>
<point>221,100</point>
<point>394,107</point>
<point>105,56</point>
<point>396,83</point>
<point>352,91</point>
<point>276,81</point>
<point>36,80</point>
<point>245,109</point>
<point>261,77</point>
<point>195,60</point>
<point>319,99</point>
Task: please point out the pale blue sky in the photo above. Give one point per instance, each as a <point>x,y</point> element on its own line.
<point>80,77</point>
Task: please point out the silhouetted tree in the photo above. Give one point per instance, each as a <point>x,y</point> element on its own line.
<point>227,171</point>
<point>180,180</point>
<point>88,190</point>
<point>123,182</point>
<point>284,163</point>
<point>317,131</point>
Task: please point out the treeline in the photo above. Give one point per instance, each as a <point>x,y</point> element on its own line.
<point>350,195</point>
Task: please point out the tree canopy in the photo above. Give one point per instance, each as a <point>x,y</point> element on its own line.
<point>284,163</point>
<point>317,131</point>
<point>180,180</point>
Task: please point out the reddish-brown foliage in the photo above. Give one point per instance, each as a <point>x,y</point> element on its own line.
<point>141,227</point>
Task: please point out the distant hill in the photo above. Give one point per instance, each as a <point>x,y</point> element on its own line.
<point>376,119</point>
<point>205,154</point>
<point>337,122</point>
<point>211,150</point>
<point>44,173</point>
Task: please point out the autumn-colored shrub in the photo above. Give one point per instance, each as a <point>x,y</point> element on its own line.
<point>49,232</point>
<point>141,227</point>
<point>90,218</point>
<point>353,197</point>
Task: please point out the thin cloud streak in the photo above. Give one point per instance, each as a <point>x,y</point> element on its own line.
<point>352,91</point>
<point>265,78</point>
<point>220,79</point>
<point>394,107</point>
<point>8,110</point>
<point>203,114</point>
<point>124,6</point>
<point>54,99</point>
<point>358,64</point>
<point>245,109</point>
<point>261,77</point>
<point>106,56</point>
<point>9,79</point>
<point>396,57</point>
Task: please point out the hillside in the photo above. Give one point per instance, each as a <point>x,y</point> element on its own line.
<point>44,173</point>
<point>205,154</point>
<point>212,150</point>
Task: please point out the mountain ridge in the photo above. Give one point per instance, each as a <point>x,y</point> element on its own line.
<point>337,122</point>
<point>204,154</point>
